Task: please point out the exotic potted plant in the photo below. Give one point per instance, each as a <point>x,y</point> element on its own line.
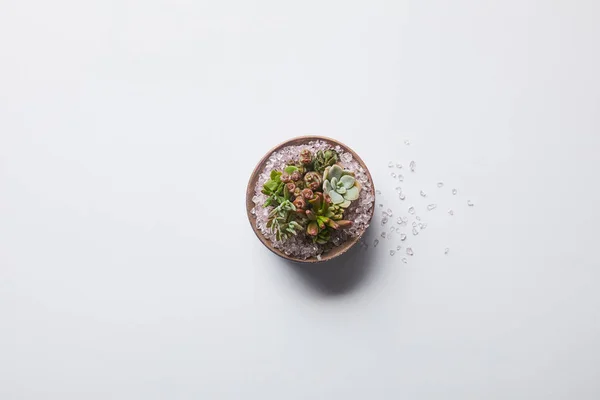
<point>310,199</point>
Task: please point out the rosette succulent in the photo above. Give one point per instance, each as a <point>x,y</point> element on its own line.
<point>322,219</point>
<point>313,180</point>
<point>324,159</point>
<point>340,186</point>
<point>306,157</point>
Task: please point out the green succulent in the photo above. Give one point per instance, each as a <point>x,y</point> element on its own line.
<point>274,189</point>
<point>323,236</point>
<point>281,221</point>
<point>322,219</point>
<point>295,173</point>
<point>324,159</point>
<point>340,185</point>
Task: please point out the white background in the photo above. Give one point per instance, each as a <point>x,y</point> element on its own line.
<point>128,131</point>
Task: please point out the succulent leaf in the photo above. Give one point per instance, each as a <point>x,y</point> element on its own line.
<point>275,175</point>
<point>352,193</point>
<point>336,198</point>
<point>312,228</point>
<point>344,224</point>
<point>332,224</point>
<point>321,222</point>
<point>271,185</point>
<point>345,204</point>
<point>335,172</point>
<point>290,169</point>
<point>347,181</point>
<point>316,201</point>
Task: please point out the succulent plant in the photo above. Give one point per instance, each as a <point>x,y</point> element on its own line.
<point>311,195</point>
<point>324,159</point>
<point>274,189</point>
<point>340,186</point>
<point>293,172</point>
<point>300,203</point>
<point>321,219</point>
<point>285,178</point>
<point>307,193</point>
<point>306,157</point>
<point>302,169</point>
<point>281,221</point>
<point>313,180</point>
<point>323,237</point>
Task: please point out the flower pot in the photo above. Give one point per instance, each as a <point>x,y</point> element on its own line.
<point>362,211</point>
